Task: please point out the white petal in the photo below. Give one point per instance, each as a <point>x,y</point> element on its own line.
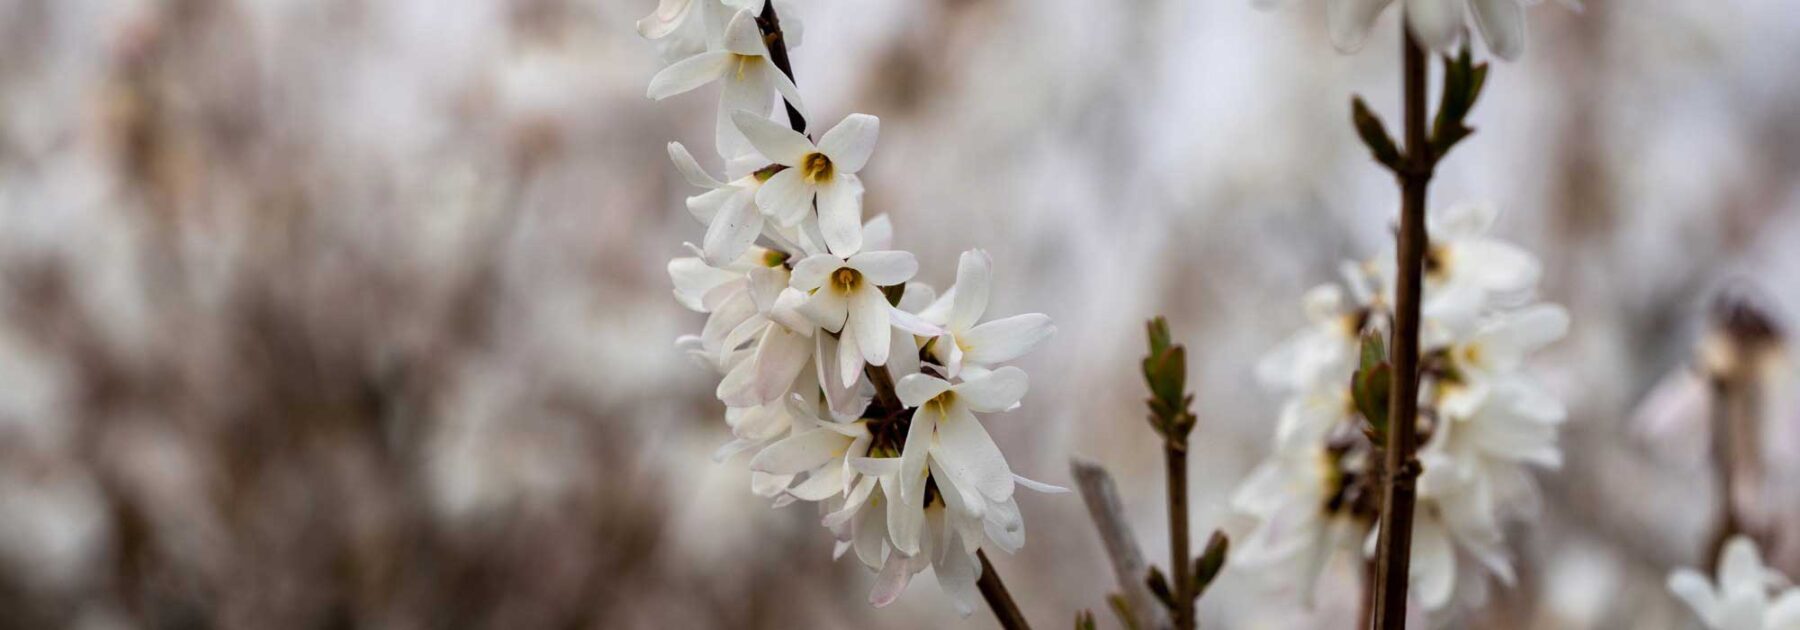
<point>916,389</point>
<point>913,454</point>
<point>743,37</point>
<point>669,15</point>
<point>704,206</point>
<point>779,359</point>
<point>1349,21</point>
<point>1784,613</point>
<point>829,310</point>
<point>967,452</point>
<point>1697,591</point>
<point>993,391</point>
<point>840,214</point>
<point>1435,22</point>
<point>903,352</point>
<point>850,142</point>
<point>884,268</point>
<point>1003,340</point>
<point>876,466</point>
<point>778,143</point>
<point>800,453</point>
<point>822,484</point>
<point>870,536</point>
<point>738,388</point>
<point>687,74</point>
<point>1740,565</point>
<point>869,322</point>
<point>878,233</point>
<point>1433,565</point>
<point>732,231</point>
<point>905,519</point>
<point>693,278</point>
<point>1039,486</point>
<point>690,169</point>
<point>1502,24</point>
<point>973,274</point>
<point>852,502</point>
<point>788,91</point>
<point>810,273</point>
<point>842,399</point>
<point>891,582</point>
<point>786,197</point>
<point>913,323</point>
<point>850,358</point>
<point>1495,265</point>
<point>957,573</point>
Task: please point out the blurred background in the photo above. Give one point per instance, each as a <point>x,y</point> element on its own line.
<point>335,313</point>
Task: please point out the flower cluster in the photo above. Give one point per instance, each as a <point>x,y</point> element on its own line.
<point>1482,423</point>
<point>846,383</point>
<point>1741,600</point>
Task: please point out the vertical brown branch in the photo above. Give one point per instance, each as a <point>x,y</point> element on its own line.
<point>1394,548</point>
<point>994,591</point>
<point>1180,561</point>
<point>770,24</point>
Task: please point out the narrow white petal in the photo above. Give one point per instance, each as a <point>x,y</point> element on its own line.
<point>878,233</point>
<point>1039,486</point>
<point>973,275</point>
<point>829,310</point>
<point>850,142</point>
<point>669,15</point>
<point>704,206</point>
<point>779,360</point>
<point>916,389</point>
<point>869,322</point>
<point>690,169</point>
<point>876,466</point>
<point>773,140</point>
<point>1006,339</point>
<point>913,323</point>
<point>840,214</point>
<point>913,455</point>
<point>1697,591</point>
<point>1502,24</point>
<point>993,391</point>
<point>840,397</point>
<point>905,519</point>
<point>970,454</point>
<point>687,74</point>
<point>800,452</point>
<point>884,268</point>
<point>1433,565</point>
<point>1349,21</point>
<point>957,573</point>
<point>786,88</point>
<point>891,582</point>
<point>850,358</point>
<point>786,197</point>
<point>822,484</point>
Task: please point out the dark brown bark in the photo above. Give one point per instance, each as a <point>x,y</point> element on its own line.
<point>1180,561</point>
<point>994,591</point>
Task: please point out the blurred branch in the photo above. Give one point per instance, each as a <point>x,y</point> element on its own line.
<point>994,591</point>
<point>1101,495</point>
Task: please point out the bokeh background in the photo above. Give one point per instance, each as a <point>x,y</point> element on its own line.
<point>340,313</point>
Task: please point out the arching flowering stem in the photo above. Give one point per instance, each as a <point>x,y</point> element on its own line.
<point>770,24</point>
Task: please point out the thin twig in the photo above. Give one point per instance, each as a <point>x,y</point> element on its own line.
<point>770,24</point>
<point>994,591</point>
<point>1101,495</point>
<point>1394,548</point>
<point>1180,561</point>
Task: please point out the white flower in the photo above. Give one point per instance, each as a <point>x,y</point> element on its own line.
<point>741,60</point>
<point>985,345</point>
<point>1437,23</point>
<point>1741,600</point>
<point>1288,499</point>
<point>825,172</point>
<point>845,297</point>
<point>944,427</point>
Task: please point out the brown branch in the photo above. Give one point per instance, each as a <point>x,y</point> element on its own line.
<point>1101,495</point>
<point>1394,548</point>
<point>994,591</point>
<point>770,24</point>
<point>1180,561</point>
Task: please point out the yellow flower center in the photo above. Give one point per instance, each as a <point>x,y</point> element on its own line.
<point>846,280</point>
<point>816,168</point>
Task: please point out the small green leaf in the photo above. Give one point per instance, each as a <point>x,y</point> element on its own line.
<point>1122,609</point>
<point>1159,586</point>
<point>1374,134</point>
<point>1084,620</point>
<point>1208,565</point>
<point>1374,350</point>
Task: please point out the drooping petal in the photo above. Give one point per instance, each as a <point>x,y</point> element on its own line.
<point>732,231</point>
<point>850,357</point>
<point>957,573</point>
<point>800,452</point>
<point>1435,22</point>
<point>1433,565</point>
<point>869,322</point>
<point>786,197</point>
<point>1740,566</point>
<point>781,357</point>
<point>823,483</point>
<point>1038,486</point>
<point>778,143</point>
<point>788,91</point>
<point>905,518</point>
<point>914,453</point>
<point>689,168</point>
<point>704,206</point>
<point>692,278</point>
<point>965,449</point>
<point>913,324</point>
<point>890,582</point>
<point>878,233</point>
<point>829,310</point>
<point>850,142</point>
<point>841,398</point>
<point>1697,591</point>
<point>993,391</point>
<point>1006,339</point>
<point>884,268</point>
<point>669,15</point>
<point>1495,265</point>
<point>852,503</point>
<point>840,214</point>
<point>687,74</point>
<point>1502,24</point>
<point>973,275</point>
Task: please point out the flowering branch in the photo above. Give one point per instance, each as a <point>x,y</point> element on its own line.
<point>770,24</point>
<point>1165,371</point>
